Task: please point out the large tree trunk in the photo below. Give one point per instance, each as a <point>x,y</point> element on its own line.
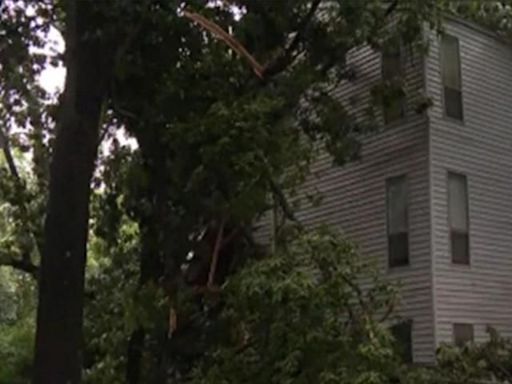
<point>58,349</point>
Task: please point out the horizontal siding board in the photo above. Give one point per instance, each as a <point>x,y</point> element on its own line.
<point>354,196</point>
<point>354,202</point>
<point>480,148</point>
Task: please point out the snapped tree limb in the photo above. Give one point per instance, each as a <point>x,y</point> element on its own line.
<point>234,44</point>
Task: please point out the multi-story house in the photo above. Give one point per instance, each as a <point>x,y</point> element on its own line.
<point>430,196</point>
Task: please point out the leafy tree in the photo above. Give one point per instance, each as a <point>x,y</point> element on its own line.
<point>217,139</point>
<point>495,15</point>
<point>92,36</point>
<point>227,101</point>
<point>301,316</point>
<point>17,306</point>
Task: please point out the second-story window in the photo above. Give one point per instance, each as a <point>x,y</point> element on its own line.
<point>393,100</point>
<point>452,83</point>
<point>398,228</point>
<point>458,217</point>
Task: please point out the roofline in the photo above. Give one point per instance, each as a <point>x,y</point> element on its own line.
<point>478,27</point>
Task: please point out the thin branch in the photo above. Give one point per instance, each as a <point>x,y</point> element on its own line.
<point>202,290</point>
<point>285,59</point>
<point>247,235</point>
<point>278,192</point>
<point>230,237</point>
<point>351,317</point>
<point>8,157</point>
<point>282,200</point>
<point>215,255</point>
<point>499,367</point>
<point>23,265</point>
<point>391,8</point>
<point>124,112</point>
<point>173,321</point>
<point>357,290</point>
<point>103,115</point>
<point>227,3</point>
<point>103,134</point>
<point>389,311</point>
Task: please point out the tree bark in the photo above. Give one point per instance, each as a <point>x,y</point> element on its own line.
<point>59,346</point>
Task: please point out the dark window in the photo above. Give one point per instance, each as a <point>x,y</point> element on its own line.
<point>462,334</point>
<point>398,231</point>
<point>393,102</point>
<point>458,218</point>
<point>402,333</point>
<point>452,83</point>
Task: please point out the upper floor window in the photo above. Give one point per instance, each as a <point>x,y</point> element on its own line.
<point>393,99</point>
<point>452,83</point>
<point>458,217</point>
<point>398,228</point>
<point>462,334</point>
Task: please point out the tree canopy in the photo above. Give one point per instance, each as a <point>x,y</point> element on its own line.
<point>229,103</point>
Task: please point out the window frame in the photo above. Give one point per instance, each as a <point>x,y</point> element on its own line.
<point>388,182</point>
<point>450,230</point>
<point>406,350</point>
<point>443,91</point>
<point>454,335</point>
<point>401,103</point>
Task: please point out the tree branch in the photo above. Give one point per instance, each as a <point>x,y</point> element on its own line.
<point>215,254</point>
<point>234,44</point>
<point>23,265</point>
<point>282,200</point>
<point>357,290</point>
<point>230,237</point>
<point>8,157</point>
<point>391,8</point>
<point>390,309</point>
<point>507,375</point>
<point>286,58</point>
<point>275,66</point>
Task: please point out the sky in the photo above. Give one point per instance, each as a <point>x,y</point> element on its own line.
<point>52,80</point>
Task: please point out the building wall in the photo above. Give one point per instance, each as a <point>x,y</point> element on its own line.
<point>354,196</point>
<point>481,148</point>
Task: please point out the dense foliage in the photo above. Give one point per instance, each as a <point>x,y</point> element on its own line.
<point>229,102</point>
<point>300,316</point>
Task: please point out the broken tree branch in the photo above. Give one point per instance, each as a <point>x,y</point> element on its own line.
<point>234,44</point>
<point>275,66</point>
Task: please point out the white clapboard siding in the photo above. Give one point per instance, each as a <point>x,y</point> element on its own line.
<point>354,196</point>
<point>480,148</point>
<point>354,201</point>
